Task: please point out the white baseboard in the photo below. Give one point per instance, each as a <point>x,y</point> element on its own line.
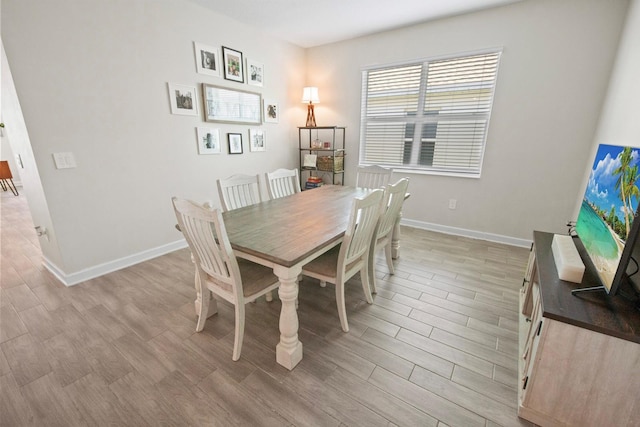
<point>512,241</point>
<point>70,279</point>
<point>108,267</point>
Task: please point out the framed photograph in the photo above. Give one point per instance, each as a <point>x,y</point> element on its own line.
<point>233,68</point>
<point>255,73</point>
<point>226,105</point>
<point>235,143</point>
<point>183,99</point>
<point>271,111</point>
<point>207,59</point>
<point>208,140</point>
<point>257,140</point>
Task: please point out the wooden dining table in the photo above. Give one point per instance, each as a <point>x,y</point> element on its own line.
<point>285,234</point>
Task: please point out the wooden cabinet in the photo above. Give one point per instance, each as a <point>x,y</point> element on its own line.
<point>322,152</point>
<point>580,356</point>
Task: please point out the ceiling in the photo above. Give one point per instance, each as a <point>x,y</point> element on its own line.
<point>309,23</point>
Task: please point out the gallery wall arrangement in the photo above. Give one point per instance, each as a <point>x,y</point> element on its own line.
<point>223,104</point>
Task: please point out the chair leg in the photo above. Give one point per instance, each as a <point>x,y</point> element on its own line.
<point>387,253</point>
<point>342,309</point>
<point>366,285</point>
<point>371,269</point>
<point>237,342</point>
<point>202,305</point>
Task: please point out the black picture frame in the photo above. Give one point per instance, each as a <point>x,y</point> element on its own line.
<point>235,143</point>
<point>233,64</point>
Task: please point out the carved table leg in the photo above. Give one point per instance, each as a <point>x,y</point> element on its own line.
<point>289,349</point>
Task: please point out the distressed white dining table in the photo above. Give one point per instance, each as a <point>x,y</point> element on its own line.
<point>285,234</point>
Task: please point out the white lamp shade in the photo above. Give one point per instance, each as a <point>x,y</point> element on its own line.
<point>310,94</point>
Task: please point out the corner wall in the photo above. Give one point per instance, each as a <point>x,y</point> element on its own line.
<point>556,62</point>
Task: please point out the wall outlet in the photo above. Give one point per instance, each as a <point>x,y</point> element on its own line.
<point>453,203</point>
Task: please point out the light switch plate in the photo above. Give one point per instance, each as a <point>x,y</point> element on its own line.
<point>64,160</point>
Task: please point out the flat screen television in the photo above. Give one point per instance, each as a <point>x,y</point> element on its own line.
<point>608,224</point>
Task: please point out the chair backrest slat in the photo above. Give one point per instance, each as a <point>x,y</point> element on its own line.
<point>283,182</point>
<point>362,222</point>
<point>239,191</point>
<point>392,204</point>
<point>373,176</point>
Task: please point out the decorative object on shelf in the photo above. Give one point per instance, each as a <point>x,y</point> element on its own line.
<point>310,95</point>
<point>208,140</point>
<point>310,161</point>
<point>257,141</point>
<point>271,111</point>
<point>313,182</point>
<point>255,73</point>
<point>316,144</point>
<point>235,143</point>
<point>207,59</point>
<point>331,163</point>
<point>226,105</point>
<point>183,99</point>
<point>233,68</point>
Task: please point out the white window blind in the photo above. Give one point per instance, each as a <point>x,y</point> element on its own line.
<point>431,115</point>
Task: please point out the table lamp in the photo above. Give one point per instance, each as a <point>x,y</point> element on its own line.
<point>310,95</point>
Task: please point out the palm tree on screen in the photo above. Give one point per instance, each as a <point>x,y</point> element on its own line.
<point>623,172</point>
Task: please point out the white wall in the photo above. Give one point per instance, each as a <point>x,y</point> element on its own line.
<point>618,123</point>
<point>553,76</point>
<point>620,119</point>
<point>91,77</point>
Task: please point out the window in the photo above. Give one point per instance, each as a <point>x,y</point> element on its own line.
<point>429,116</point>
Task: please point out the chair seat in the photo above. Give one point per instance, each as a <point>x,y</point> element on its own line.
<point>255,277</point>
<point>326,264</point>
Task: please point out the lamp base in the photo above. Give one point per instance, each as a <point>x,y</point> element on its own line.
<point>311,117</point>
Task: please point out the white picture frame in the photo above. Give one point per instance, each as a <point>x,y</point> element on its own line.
<point>207,59</point>
<point>271,111</point>
<point>255,73</point>
<point>257,140</point>
<point>183,99</point>
<point>208,140</point>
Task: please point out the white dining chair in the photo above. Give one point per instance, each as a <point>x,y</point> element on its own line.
<point>373,176</point>
<point>238,191</point>
<point>394,196</point>
<point>283,182</point>
<point>218,271</point>
<point>342,262</point>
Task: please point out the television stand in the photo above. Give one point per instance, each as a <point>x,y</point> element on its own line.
<point>579,357</point>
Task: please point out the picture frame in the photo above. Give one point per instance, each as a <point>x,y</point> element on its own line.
<point>271,111</point>
<point>233,64</point>
<point>207,59</point>
<point>183,99</point>
<point>208,140</point>
<point>235,143</point>
<point>226,105</point>
<point>255,73</point>
<point>257,140</point>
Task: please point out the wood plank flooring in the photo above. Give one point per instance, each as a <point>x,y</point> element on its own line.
<point>437,348</point>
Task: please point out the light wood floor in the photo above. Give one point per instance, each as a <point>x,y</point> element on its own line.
<point>438,347</point>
